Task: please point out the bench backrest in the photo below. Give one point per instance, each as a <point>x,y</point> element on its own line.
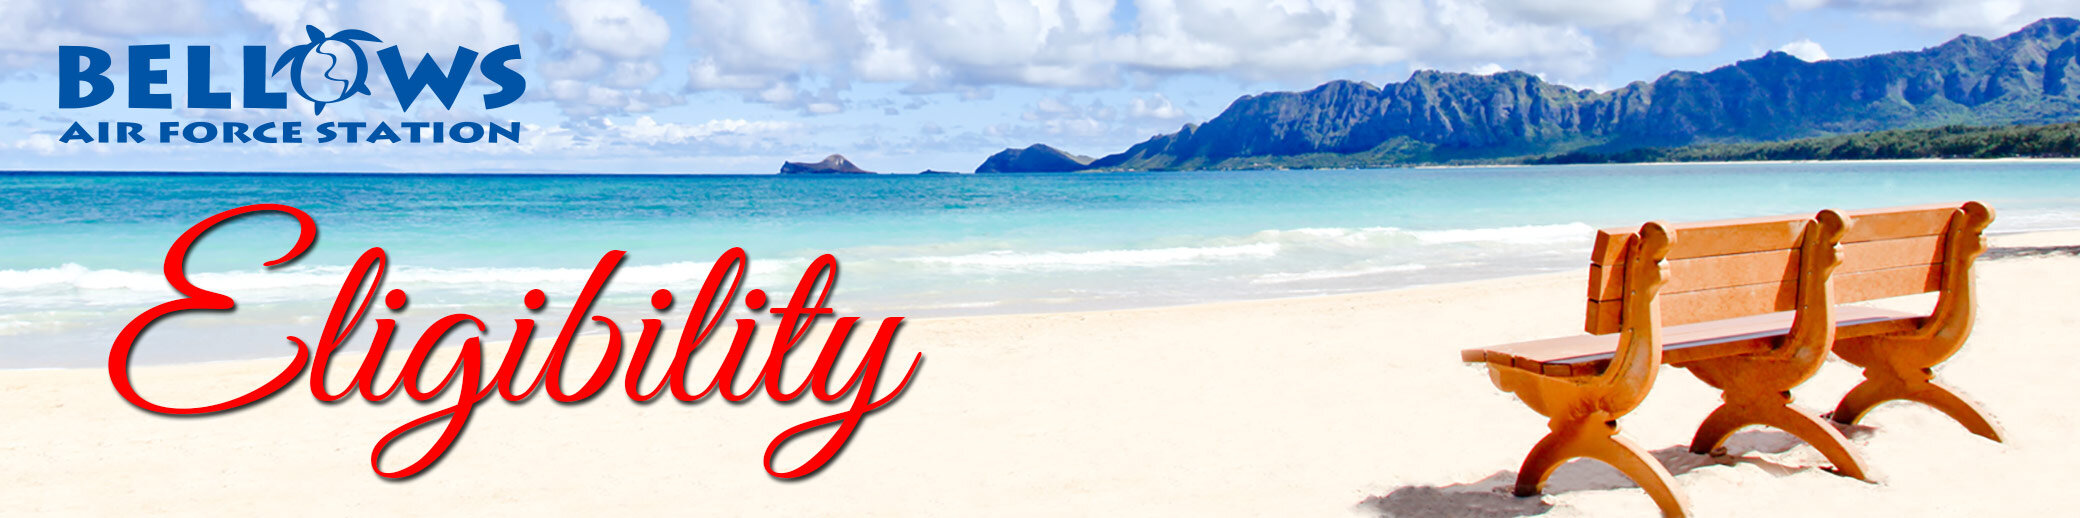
<point>1734,268</point>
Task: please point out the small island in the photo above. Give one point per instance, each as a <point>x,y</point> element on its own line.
<point>834,164</point>
<point>1037,158</point>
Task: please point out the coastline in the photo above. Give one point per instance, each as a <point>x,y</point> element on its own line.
<point>1328,404</point>
<point>560,173</point>
<point>2033,160</point>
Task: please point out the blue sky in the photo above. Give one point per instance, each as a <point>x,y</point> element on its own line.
<point>735,86</point>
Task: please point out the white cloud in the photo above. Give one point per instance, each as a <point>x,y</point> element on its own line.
<point>755,44</point>
<point>1664,27</point>
<point>139,17</point>
<point>1156,107</point>
<point>415,26</point>
<point>1804,49</point>
<point>39,143</point>
<point>1061,116</point>
<point>944,45</point>
<point>610,60</point>
<point>32,30</point>
<point>648,131</point>
<point>1982,17</point>
<point>622,29</point>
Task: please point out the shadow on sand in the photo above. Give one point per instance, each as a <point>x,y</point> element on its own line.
<point>2029,251</point>
<point>1490,497</point>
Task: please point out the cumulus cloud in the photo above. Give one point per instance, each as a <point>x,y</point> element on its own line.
<point>1156,107</point>
<point>184,17</point>
<point>39,143</point>
<point>622,29</point>
<point>1804,49</point>
<point>1664,27</point>
<point>1062,117</point>
<point>1982,17</point>
<point>646,130</point>
<point>32,30</point>
<point>410,24</point>
<point>610,60</point>
<point>943,45</point>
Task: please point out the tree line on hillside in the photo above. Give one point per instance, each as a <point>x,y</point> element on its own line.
<point>2034,141</point>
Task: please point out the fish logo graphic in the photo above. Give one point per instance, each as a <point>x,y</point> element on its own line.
<point>297,55</point>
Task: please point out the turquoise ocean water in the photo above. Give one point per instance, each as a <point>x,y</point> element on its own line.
<point>79,253</point>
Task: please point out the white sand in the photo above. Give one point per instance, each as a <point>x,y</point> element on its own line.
<point>1307,407</point>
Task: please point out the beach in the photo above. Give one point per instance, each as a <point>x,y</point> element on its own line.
<point>1352,404</point>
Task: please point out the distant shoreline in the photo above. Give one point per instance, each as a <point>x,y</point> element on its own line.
<point>2071,160</point>
<point>2061,160</point>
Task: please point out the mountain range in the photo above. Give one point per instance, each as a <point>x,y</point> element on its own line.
<point>2031,76</point>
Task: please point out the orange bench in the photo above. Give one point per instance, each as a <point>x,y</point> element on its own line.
<point>1749,306</point>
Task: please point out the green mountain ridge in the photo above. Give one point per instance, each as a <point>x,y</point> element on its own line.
<point>2031,76</point>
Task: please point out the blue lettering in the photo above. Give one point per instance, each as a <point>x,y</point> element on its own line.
<point>510,131</point>
<point>256,94</point>
<point>76,132</point>
<point>93,73</point>
<point>199,95</point>
<point>427,74</point>
<point>382,131</point>
<point>510,83</point>
<point>208,132</point>
<point>143,76</point>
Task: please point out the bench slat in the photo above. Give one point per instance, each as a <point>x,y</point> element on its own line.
<point>1715,304</point>
<point>1890,253</point>
<point>1771,266</point>
<point>1898,222</point>
<point>1708,238</point>
<point>1729,302</point>
<point>1887,283</point>
<point>1585,355</point>
<point>1703,305</point>
<point>1713,255</point>
<point>1725,271</point>
<point>1871,225</point>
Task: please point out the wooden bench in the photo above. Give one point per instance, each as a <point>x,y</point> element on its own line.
<point>1749,306</point>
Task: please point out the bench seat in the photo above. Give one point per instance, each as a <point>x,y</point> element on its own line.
<point>1588,355</point>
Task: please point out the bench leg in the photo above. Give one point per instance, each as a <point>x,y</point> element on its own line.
<point>1782,415</point>
<point>1902,366</point>
<point>1757,391</point>
<point>1598,439</point>
<point>1882,384</point>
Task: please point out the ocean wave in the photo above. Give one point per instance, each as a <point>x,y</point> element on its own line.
<point>110,286</point>
<point>1008,260</point>
<point>1321,275</point>
<point>1264,257</point>
<point>1372,237</point>
<point>1527,234</point>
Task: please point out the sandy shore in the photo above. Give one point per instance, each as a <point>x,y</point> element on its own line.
<point>1307,407</point>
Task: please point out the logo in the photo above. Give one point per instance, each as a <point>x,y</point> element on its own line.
<point>346,38</point>
<point>328,70</point>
